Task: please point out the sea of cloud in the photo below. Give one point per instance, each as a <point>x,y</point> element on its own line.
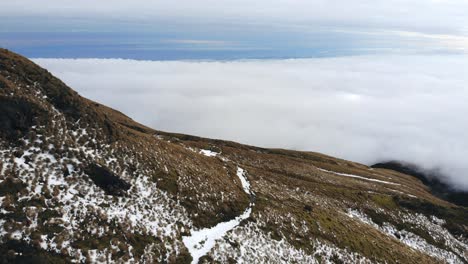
<point>364,108</point>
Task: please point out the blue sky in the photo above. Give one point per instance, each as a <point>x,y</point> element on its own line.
<point>157,30</point>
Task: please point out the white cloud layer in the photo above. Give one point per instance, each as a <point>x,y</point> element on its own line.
<point>366,109</point>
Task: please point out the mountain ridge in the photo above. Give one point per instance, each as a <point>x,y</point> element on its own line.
<point>81,182</point>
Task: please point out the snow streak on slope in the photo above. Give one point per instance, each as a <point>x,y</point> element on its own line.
<point>202,241</point>
<point>243,179</point>
<point>357,177</point>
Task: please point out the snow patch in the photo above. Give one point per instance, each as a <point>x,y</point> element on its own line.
<point>208,153</point>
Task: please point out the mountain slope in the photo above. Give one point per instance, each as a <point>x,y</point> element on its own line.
<point>81,182</point>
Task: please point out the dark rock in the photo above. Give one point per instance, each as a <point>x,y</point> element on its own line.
<point>308,208</point>
<point>14,251</point>
<point>106,180</point>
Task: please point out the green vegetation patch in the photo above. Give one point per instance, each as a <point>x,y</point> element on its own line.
<point>384,201</point>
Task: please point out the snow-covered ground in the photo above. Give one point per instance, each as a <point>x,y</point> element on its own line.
<point>416,242</point>
<point>75,198</point>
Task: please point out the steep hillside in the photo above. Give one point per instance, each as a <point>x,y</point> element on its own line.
<point>81,182</point>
